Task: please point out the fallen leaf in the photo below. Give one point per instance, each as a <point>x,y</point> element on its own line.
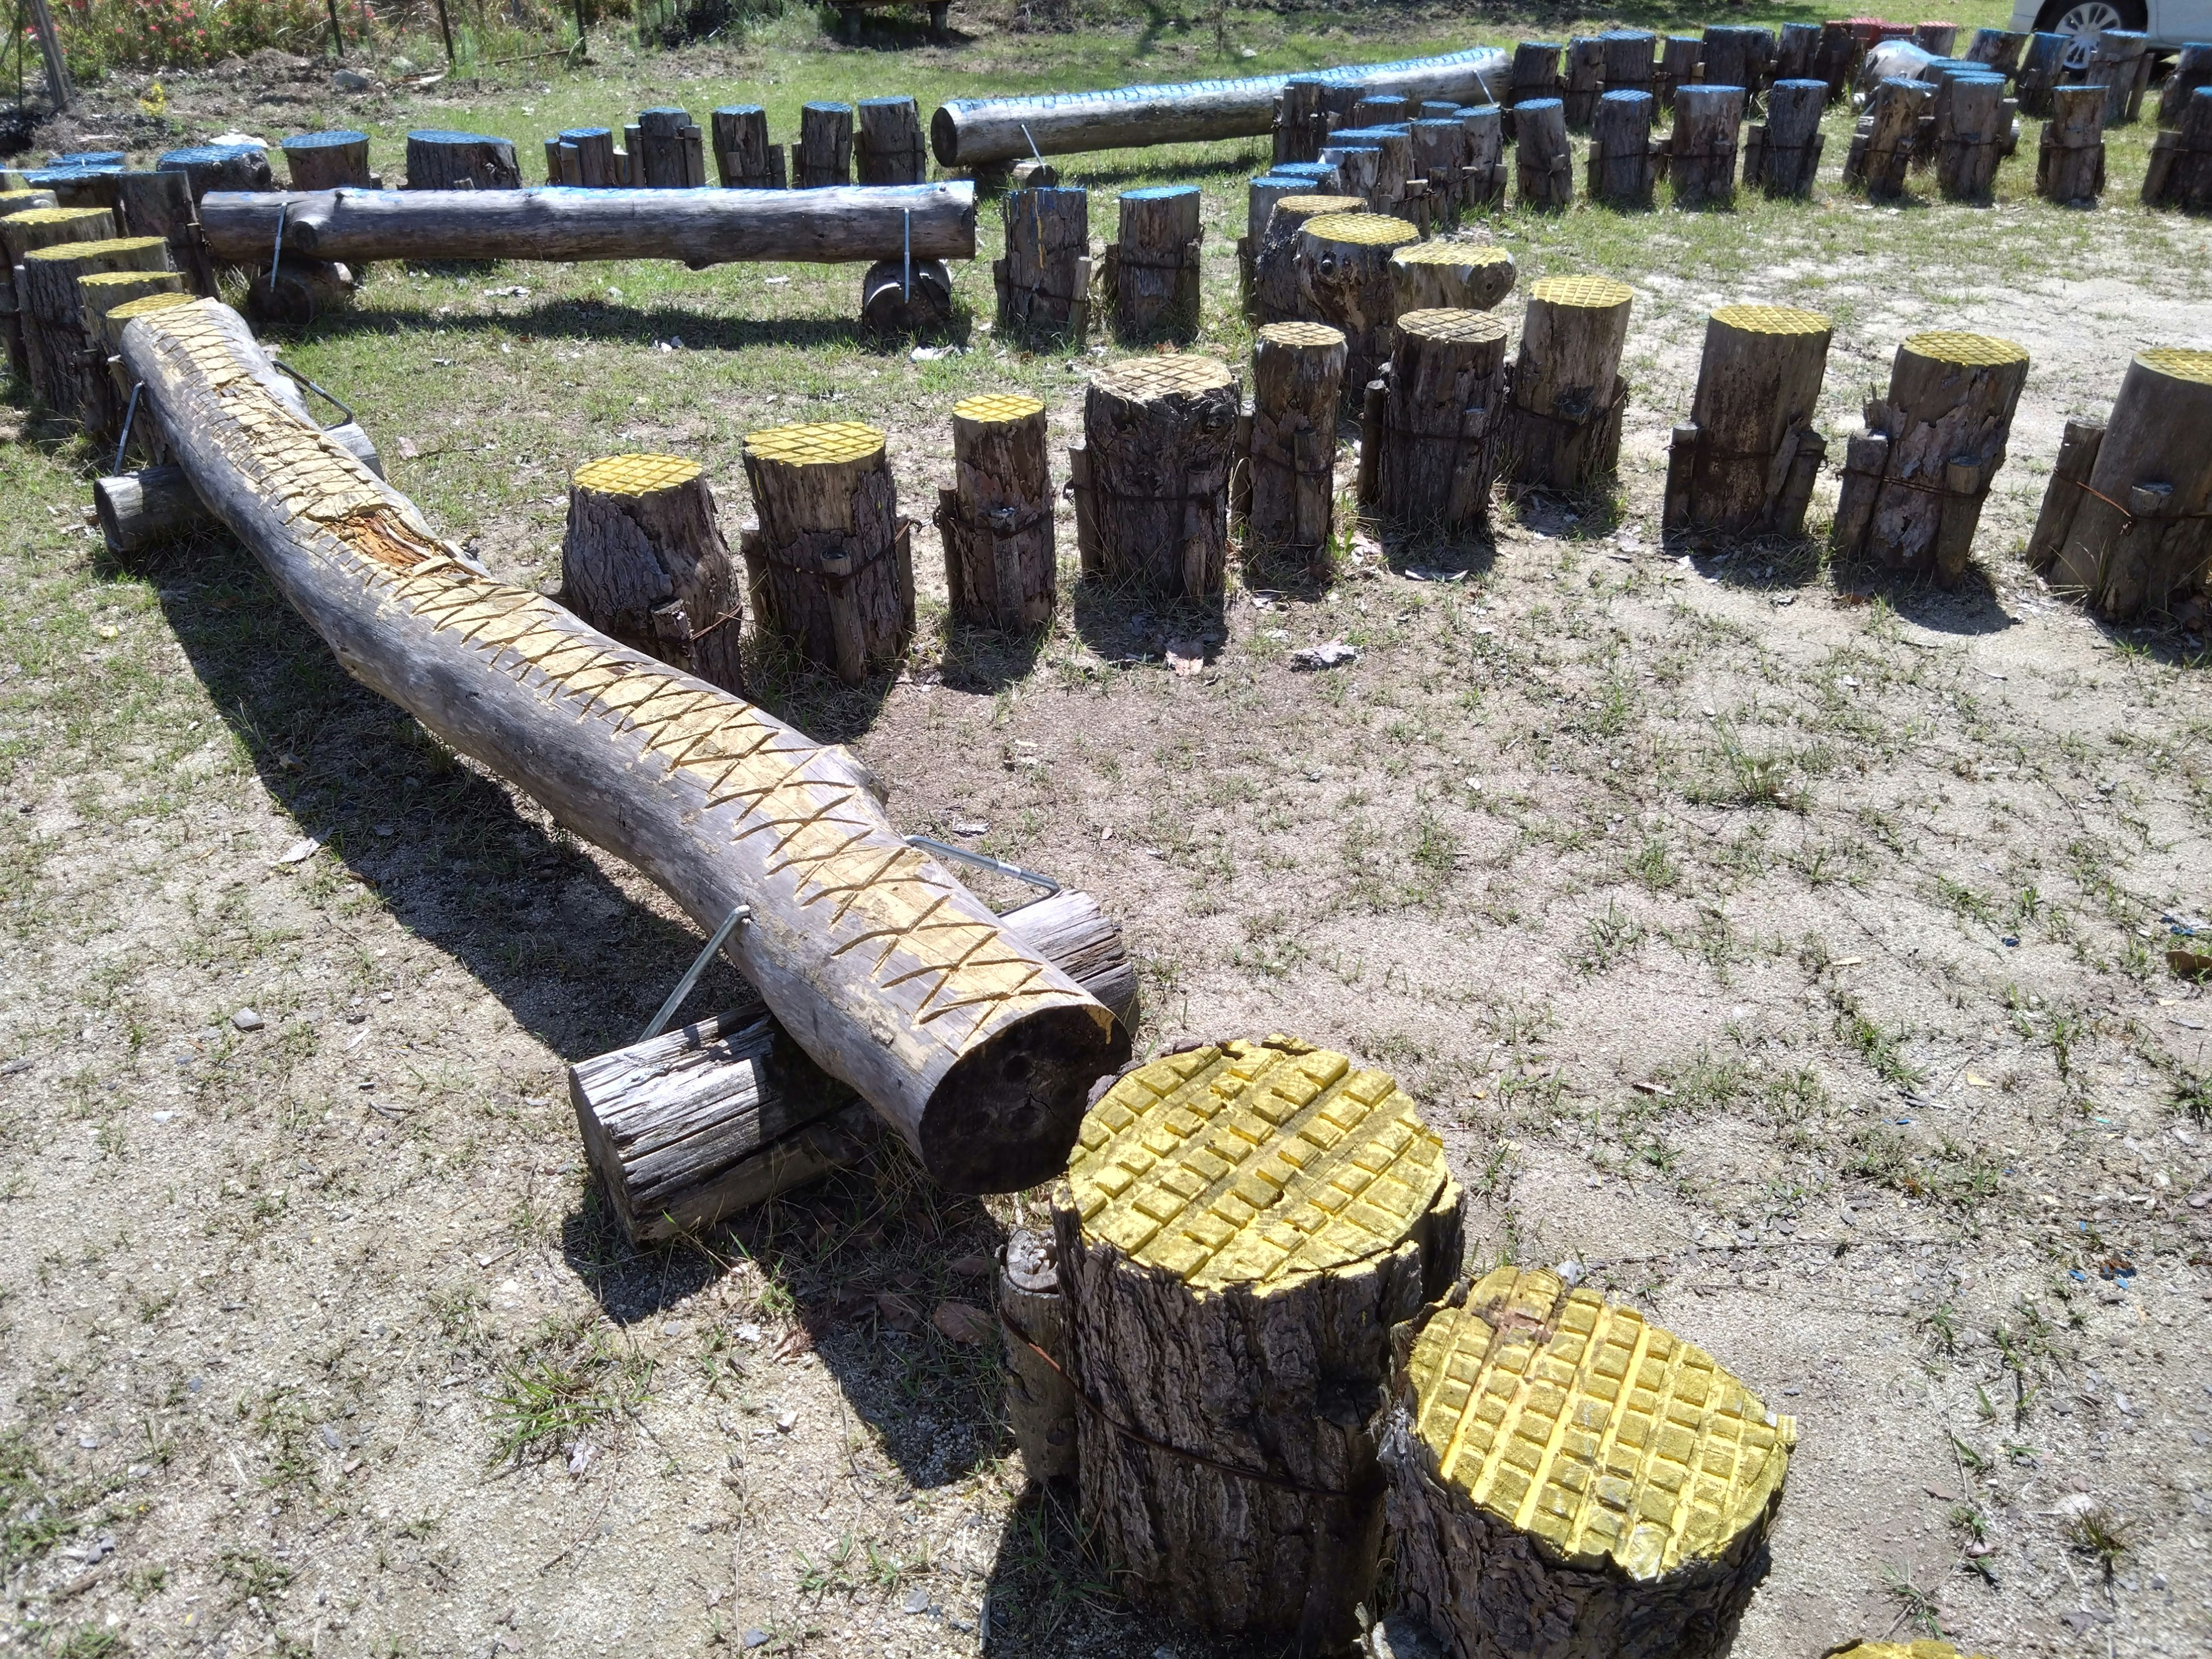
<point>2189,964</point>
<point>407,450</point>
<point>1975,1081</point>
<point>961,1322</point>
<point>896,1311</point>
<point>972,1267</point>
<point>299,851</point>
<point>796,1341</point>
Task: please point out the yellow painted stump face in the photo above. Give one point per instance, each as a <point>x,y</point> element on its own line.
<point>1896,1650</point>
<point>56,216</point>
<point>1582,292</point>
<point>1447,323</point>
<point>1318,335</point>
<point>1313,206</point>
<point>144,306</point>
<point>1585,1426</point>
<point>1255,1163</point>
<point>1771,319</point>
<point>1967,351</point>
<point>635,475</point>
<point>997,408</point>
<point>1142,378</point>
<point>114,246</point>
<point>820,443</point>
<point>2179,363</point>
<point>1471,255</point>
<point>1361,229</point>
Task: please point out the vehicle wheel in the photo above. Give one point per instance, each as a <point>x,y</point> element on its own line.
<point>2085,20</point>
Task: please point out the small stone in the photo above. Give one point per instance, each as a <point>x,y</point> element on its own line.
<point>247,1020</point>
<point>914,1600</point>
<point>749,1333</point>
<point>754,1637</point>
<point>333,1438</point>
<point>786,1422</point>
<point>403,66</point>
<point>1334,654</point>
<point>351,80</point>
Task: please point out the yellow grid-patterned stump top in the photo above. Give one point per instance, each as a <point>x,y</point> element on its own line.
<point>1474,255</point>
<point>1164,375</point>
<point>17,201</point>
<point>1772,319</point>
<point>2179,362</point>
<point>144,306</point>
<point>635,475</point>
<point>1943,345</point>
<point>998,408</point>
<point>1361,229</point>
<point>101,289</point>
<point>1449,323</point>
<point>1584,1425</point>
<point>114,247</point>
<point>1255,1163</point>
<point>818,443</point>
<point>95,281</point>
<point>1922,1650</point>
<point>1302,334</point>
<point>57,215</point>
<point>1582,292</point>
<point>1315,206</point>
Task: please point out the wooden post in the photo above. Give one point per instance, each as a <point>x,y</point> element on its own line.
<point>438,160</point>
<point>1153,268</point>
<point>66,375</point>
<point>2132,531</point>
<point>744,158</point>
<point>1738,56</point>
<point>1379,109</point>
<point>1151,474</point>
<point>2069,476</point>
<point>1797,50</point>
<point>1911,501</point>
<point>2180,172</point>
<point>1701,149</point>
<point>2116,61</point>
<point>1585,78</point>
<point>822,157</point>
<point>1544,163</point>
<point>1836,61</point>
<point>28,228</point>
<point>1568,395</point>
<point>1999,49</point>
<point>889,147</point>
<point>1278,287</point>
<point>1439,161</point>
<point>1297,384</point>
<point>147,442</point>
<point>1635,1520</point>
<point>2041,71</point>
<point>1040,1404</point>
<point>329,161</point>
<point>1439,276</point>
<point>1678,59</point>
<point>1970,125</point>
<point>643,561</point>
<point>667,154</point>
<point>1622,159</point>
<point>1240,1228</point>
<point>160,204</point>
<point>1534,75</point>
<point>2191,70</point>
<point>1782,154</point>
<point>1745,463</point>
<point>1443,417</point>
<point>2070,163</point>
<point>996,521</point>
<point>1388,190</point>
<point>1937,38</point>
<point>1344,265</point>
<point>1887,135</point>
<point>1044,279</point>
<point>219,167</point>
<point>1484,178</point>
<point>1629,62</point>
<point>1300,122</point>
<point>100,405</point>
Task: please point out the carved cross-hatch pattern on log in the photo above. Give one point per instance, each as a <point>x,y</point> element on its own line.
<point>1254,1163</point>
<point>635,475</point>
<point>1772,319</point>
<point>819,443</point>
<point>1315,206</point>
<point>1362,229</point>
<point>1591,292</point>
<point>1444,324</point>
<point>1592,1430</point>
<point>144,306</point>
<point>839,860</point>
<point>990,408</point>
<point>2179,362</point>
<point>1967,351</point>
<point>62,252</point>
<point>1441,252</point>
<point>1142,378</point>
<point>1318,335</point>
<point>1924,1649</point>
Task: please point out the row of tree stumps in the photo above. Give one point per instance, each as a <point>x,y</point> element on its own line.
<point>878,142</point>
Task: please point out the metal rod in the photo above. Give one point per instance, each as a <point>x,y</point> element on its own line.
<point>277,254</point>
<point>984,861</point>
<point>906,281</point>
<point>1034,153</point>
<point>446,28</point>
<point>744,912</point>
<point>337,35</point>
<point>293,374</point>
<point>129,411</point>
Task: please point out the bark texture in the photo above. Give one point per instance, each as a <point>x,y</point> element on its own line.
<point>996,521</point>
<point>101,401</point>
<point>1543,162</point>
<point>1279,294</point>
<point>329,161</point>
<point>1796,48</point>
<point>219,167</point>
<point>1972,121</point>
<point>1568,395</point>
<point>744,158</point>
<point>438,160</point>
<point>1044,279</point>
<point>160,204</point>
<point>889,147</point>
<point>1151,477</point>
<point>1154,266</point>
<point>1438,144</point>
<point>1534,75</point>
<point>822,157</point>
<point>34,223</point>
<point>644,561</point>
<point>158,504</point>
<point>2042,71</point>
<point>1623,162</point>
<point>1679,57</point>
<point>1439,276</point>
<point>1040,1405</point>
<point>1739,56</point>
<point>2179,172</point>
<point>2191,70</point>
<point>1297,383</point>
<point>2070,163</point>
<point>67,374</point>
<point>1484,183</point>
<point>1887,135</point>
<point>1585,79</point>
<point>1999,49</point>
<point>1344,268</point>
<point>1630,63</point>
<point>1745,463</point>
<point>2119,62</point>
<point>1300,123</point>
<point>1782,154</point>
<point>1701,149</point>
<point>668,151</point>
<point>1443,420</point>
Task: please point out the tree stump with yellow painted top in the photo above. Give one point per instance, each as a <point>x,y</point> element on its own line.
<point>1569,1479</point>
<point>1344,261</point>
<point>644,561</point>
<point>1277,290</point>
<point>27,227</point>
<point>1000,571</point>
<point>100,401</point>
<point>1744,463</point>
<point>1441,275</point>
<point>1240,1226</point>
<point>64,373</point>
<point>1568,394</point>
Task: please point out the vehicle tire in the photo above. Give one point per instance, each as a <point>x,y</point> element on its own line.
<point>2085,20</point>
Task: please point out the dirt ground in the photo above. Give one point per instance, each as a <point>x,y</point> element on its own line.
<point>1783,950</point>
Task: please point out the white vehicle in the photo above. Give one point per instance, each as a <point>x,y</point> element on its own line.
<point>2171,24</point>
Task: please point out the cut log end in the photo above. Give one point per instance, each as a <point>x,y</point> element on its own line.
<point>1318,335</point>
<point>1582,292</point>
<point>819,443</point>
<point>1777,320</point>
<point>1006,1115</point>
<point>1461,275</point>
<point>1963,350</point>
<point>635,475</point>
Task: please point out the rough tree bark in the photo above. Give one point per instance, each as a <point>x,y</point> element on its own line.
<point>1934,38</point>
<point>1971,122</point>
<point>100,401</point>
<point>1040,1405</point>
<point>1998,48</point>
<point>1782,154</point>
<point>1543,162</point>
<point>1230,1297</point>
<point>903,296</point>
<point>1568,395</point>
<point>1623,162</point>
<point>1344,263</point>
<point>160,204</point>
<point>67,374</point>
<point>2042,70</point>
<point>329,161</point>
<point>1298,384</point>
<point>666,152</point>
<point>2118,63</point>
<point>1440,419</point>
<point>219,167</point>
<point>1448,276</point>
<point>1796,48</point>
<point>29,227</point>
<point>1151,478</point>
<point>1701,149</point>
<point>1885,136</point>
<point>2179,172</point>
<point>1300,124</point>
<point>744,158</point>
<point>1585,79</point>
<point>1484,181</point>
<point>1745,462</point>
<point>437,160</point>
<point>2069,164</point>
<point>1629,60</point>
<point>1679,58</point>
<point>821,156</point>
<point>889,147</point>
<point>2191,70</point>
<point>1738,56</point>
<point>1153,268</point>
<point>643,562</point>
<point>1001,567</point>
<point>1044,279</point>
<point>1279,290</point>
<point>1439,161</point>
<point>1534,75</point>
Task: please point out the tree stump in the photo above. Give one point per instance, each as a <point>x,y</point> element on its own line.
<point>1278,288</point>
<point>1738,56</point>
<point>160,204</point>
<point>1044,279</point>
<point>147,442</point>
<point>583,157</point>
<point>1999,49</point>
<point>220,167</point>
<point>1837,60</point>
<point>2191,70</point>
<point>1153,267</point>
<point>1040,1404</point>
<point>1379,109</point>
<point>643,560</point>
<point>1343,262</point>
<point>1151,478</point>
<point>2117,62</point>
<point>1585,79</point>
<point>1701,149</point>
<point>1358,162</point>
<point>30,228</point>
<point>1240,1227</point>
<point>1534,75</point>
<point>1484,185</point>
<point>1440,275</point>
<point>1887,135</point>
<point>2042,70</point>
<point>1970,124</point>
<point>1936,37</point>
<point>1914,483</point>
<point>1782,154</point>
<point>1297,386</point>
<point>66,374</point>
<point>1568,395</point>
<point>1570,1479</point>
<point>1679,58</point>
<point>1796,48</point>
<point>1543,162</point>
<point>2070,163</point>
<point>329,161</point>
<point>830,566</point>
<point>2127,518</point>
<point>903,296</point>
<point>1301,122</point>
<point>1393,167</point>
<point>1435,426</point>
<point>996,521</point>
<point>100,403</point>
<point>823,156</point>
<point>743,155</point>
<point>1439,161</point>
<point>1623,162</point>
<point>669,152</point>
<point>889,149</point>
<point>1630,64</point>
<point>438,160</point>
<point>1745,462</point>
<point>2179,172</point>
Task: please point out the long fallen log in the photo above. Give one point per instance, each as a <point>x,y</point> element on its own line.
<point>707,226</point>
<point>971,133</point>
<point>892,975</point>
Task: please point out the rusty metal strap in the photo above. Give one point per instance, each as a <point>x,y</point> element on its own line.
<point>2133,518</point>
<point>944,518</point>
<point>808,553</point>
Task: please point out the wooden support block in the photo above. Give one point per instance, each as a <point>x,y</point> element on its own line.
<point>1000,564</point>
<point>304,288</point>
<point>161,204</point>
<point>219,167</point>
<point>1680,58</point>
<point>1033,173</point>
<point>2191,70</point>
<point>1882,147</point>
<point>1151,474</point>
<point>1040,1405</point>
<point>1796,50</point>
<point>1301,122</point>
<point>1534,75</point>
<point>643,561</point>
<point>1911,504</point>
<point>1345,279</point>
<point>744,158</point>
<point>1745,463</point>
<point>2061,496</point>
<point>1999,49</point>
<point>1235,1188</point>
<point>1483,185</point>
<point>1442,421</point>
<point>1044,279</point>
<point>1439,154</point>
<point>1278,288</point>
<point>831,567</point>
<point>2042,70</point>
<point>67,374</point>
<point>1701,151</point>
<point>439,160</point>
<point>888,147</point>
<point>1568,395</point>
<point>822,157</point>
<point>1630,61</point>
<point>1970,124</point>
<point>99,406</point>
<point>336,159</point>
<point>1623,163</point>
<point>1836,61</point>
<point>29,228</point>
<point>1543,162</point>
<point>1737,55</point>
<point>1440,275</point>
<point>1583,80</point>
<point>2070,163</point>
<point>2117,62</point>
<point>1637,1520</point>
<point>899,296</point>
<point>2180,172</point>
<point>1937,38</point>
<point>1153,267</point>
<point>1782,154</point>
<point>1297,383</point>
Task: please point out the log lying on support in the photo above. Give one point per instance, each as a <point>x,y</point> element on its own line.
<point>699,226</point>
<point>1278,291</point>
<point>822,159</point>
<point>744,158</point>
<point>1745,462</point>
<point>2180,172</point>
<point>1437,420</point>
<point>1914,482</point>
<point>888,147</point>
<point>972,132</point>
<point>1883,142</point>
<point>1152,271</point>
<point>1543,162</point>
<point>890,974</point>
<point>2070,163</point>
<point>29,228</point>
<point>1701,149</point>
<point>1679,57</point>
<point>2127,518</point>
<point>157,504</point>
<point>1000,565</point>
<point>643,561</point>
<point>1040,1404</point>
<point>1782,154</point>
<point>2191,70</point>
<point>160,204</point>
<point>1345,273</point>
<point>1971,120</point>
<point>1043,281</point>
<point>439,160</point>
<point>1151,478</point>
<point>329,161</point>
<point>1242,1200</point>
<point>1297,383</point>
<point>1623,163</point>
<point>1567,1479</point>
<point>1441,275</point>
<point>1568,394</point>
<point>66,374</point>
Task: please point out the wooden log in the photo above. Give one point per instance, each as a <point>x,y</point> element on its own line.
<point>100,405</point>
<point>1358,164</point>
<point>1534,75</point>
<point>1000,564</point>
<point>67,374</point>
<point>1881,149</point>
<point>1583,80</point>
<point>1379,109</point>
<point>1278,287</point>
<point>2139,536</point>
<point>438,160</point>
<point>1970,136</point>
<point>977,131</point>
<point>822,158</point>
<point>2042,70</point>
<point>1230,1297</point>
<point>29,228</point>
<point>699,226</point>
<point>1297,383</point>
<point>1485,178</point>
<point>1040,1405</point>
<point>1544,163</point>
<point>2179,170</point>
<point>1701,151</point>
<point>1796,49</point>
<point>1630,61</point>
<point>661,149</point>
<point>1300,123</point>
<point>329,161</point>
<point>1034,174</point>
<point>160,204</point>
<point>219,167</point>
<point>1679,60</point>
<point>157,504</point>
<point>1782,154</point>
<point>2115,63</point>
<point>888,147</point>
<point>1388,190</point>
<point>744,158</point>
<point>1745,462</point>
<point>643,561</point>
<point>1999,49</point>
<point>148,443</point>
<point>2070,163</point>
<point>2192,69</point>
<point>1738,56</point>
<point>1935,38</point>
<point>1153,266</point>
<point>687,1129</point>
<point>900,296</point>
<point>1837,60</point>
<point>1439,161</point>
<point>1945,423</point>
<point>1568,395</point>
<point>586,158</point>
<point>1623,162</point>
<point>1567,1479</point>
<point>1441,275</point>
<point>1443,420</point>
<point>1044,279</point>
<point>2069,475</point>
<point>1344,278</point>
<point>1151,476</point>
<point>830,565</point>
